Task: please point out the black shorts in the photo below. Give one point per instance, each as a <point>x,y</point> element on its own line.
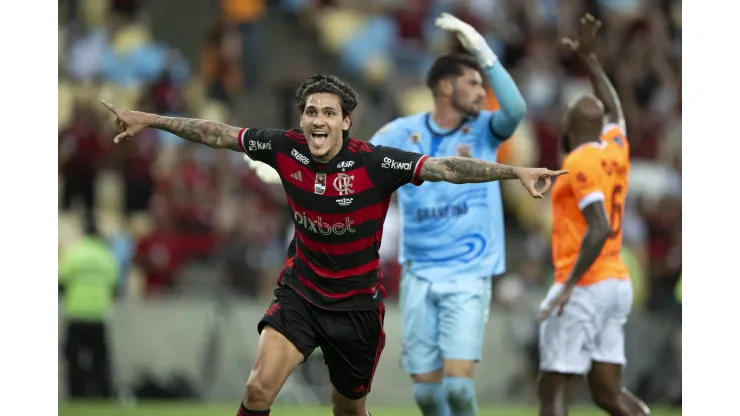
<point>350,340</point>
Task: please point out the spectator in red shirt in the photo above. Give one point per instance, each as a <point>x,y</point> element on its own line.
<point>81,151</point>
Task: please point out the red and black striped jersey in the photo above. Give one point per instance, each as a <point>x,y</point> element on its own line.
<point>338,210</point>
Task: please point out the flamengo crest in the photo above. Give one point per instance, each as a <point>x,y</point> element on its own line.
<point>343,184</point>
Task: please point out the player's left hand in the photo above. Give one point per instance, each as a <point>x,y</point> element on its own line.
<point>538,180</point>
<point>470,39</point>
<point>558,303</point>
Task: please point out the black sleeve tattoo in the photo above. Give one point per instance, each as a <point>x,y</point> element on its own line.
<point>464,170</point>
<point>210,133</point>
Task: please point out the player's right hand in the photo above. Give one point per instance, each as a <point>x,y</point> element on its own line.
<point>538,180</point>
<point>587,30</point>
<point>129,123</point>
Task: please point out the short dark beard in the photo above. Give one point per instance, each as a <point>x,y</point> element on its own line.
<point>467,113</point>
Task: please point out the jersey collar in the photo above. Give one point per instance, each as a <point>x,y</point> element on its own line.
<point>432,126</point>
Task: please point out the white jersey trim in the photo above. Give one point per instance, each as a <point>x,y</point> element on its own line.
<point>590,199</point>
<point>609,126</point>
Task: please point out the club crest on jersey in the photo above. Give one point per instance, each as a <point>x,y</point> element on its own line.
<point>343,184</point>
<point>319,186</point>
<point>464,151</point>
<point>415,138</point>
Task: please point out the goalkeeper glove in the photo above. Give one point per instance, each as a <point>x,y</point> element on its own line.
<point>470,39</point>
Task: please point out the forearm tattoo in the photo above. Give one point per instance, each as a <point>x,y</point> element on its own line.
<point>464,170</point>
<point>209,133</point>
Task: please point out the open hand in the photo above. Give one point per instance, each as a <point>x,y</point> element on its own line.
<point>471,40</point>
<point>467,34</point>
<point>538,180</point>
<point>128,123</point>
<point>587,30</point>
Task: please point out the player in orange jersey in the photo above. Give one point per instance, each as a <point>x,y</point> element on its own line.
<point>586,337</point>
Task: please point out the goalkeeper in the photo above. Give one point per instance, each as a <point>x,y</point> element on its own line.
<point>452,241</point>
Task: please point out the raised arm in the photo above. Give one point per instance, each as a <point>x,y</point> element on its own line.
<point>512,105</point>
<point>462,170</point>
<point>604,90</point>
<point>210,133</point>
<point>584,47</point>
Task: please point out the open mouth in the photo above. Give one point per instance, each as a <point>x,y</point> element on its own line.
<point>319,137</point>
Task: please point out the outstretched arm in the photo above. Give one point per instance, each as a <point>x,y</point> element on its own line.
<point>513,106</point>
<point>461,170</point>
<point>464,170</point>
<point>210,133</point>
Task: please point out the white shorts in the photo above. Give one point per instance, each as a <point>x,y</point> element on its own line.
<point>590,329</point>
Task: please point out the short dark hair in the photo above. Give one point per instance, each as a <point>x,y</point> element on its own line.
<point>329,84</point>
<point>450,64</point>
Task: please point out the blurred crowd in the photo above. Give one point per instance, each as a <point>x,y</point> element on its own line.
<point>167,203</point>
<point>176,211</point>
<point>172,210</point>
<point>184,219</point>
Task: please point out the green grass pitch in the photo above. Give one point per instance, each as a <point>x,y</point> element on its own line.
<point>199,409</point>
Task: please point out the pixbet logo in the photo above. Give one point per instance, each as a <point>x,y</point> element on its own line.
<point>299,157</point>
<point>389,163</point>
<point>318,226</point>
